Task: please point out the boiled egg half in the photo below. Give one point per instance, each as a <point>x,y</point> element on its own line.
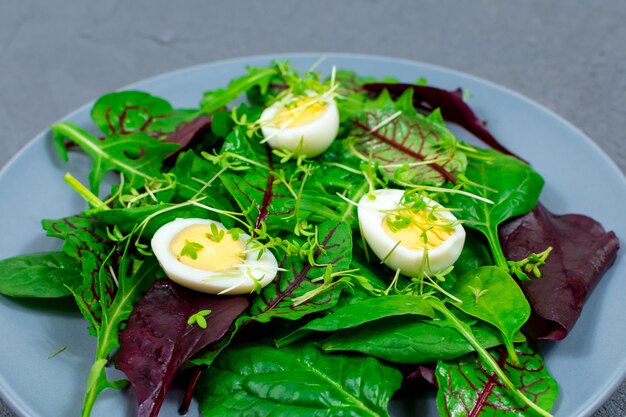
<point>203,255</point>
<point>304,126</point>
<point>409,232</point>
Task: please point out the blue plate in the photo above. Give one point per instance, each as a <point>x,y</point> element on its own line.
<point>588,365</point>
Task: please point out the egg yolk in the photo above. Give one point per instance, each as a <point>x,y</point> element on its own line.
<point>417,230</point>
<point>300,112</point>
<point>200,247</point>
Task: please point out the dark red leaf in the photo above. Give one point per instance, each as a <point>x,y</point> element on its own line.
<point>451,105</point>
<point>157,340</point>
<point>582,252</point>
<point>185,133</point>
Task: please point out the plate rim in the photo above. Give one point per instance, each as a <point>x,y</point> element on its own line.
<point>611,385</point>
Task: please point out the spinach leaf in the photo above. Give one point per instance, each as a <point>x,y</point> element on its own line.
<point>158,338</point>
<point>357,314</point>
<point>411,149</point>
<point>490,294</point>
<point>41,275</point>
<point>137,155</point>
<point>298,381</point>
<point>410,340</point>
<point>510,184</point>
<point>468,388</point>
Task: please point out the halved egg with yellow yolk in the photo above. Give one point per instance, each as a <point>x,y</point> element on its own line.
<point>304,125</point>
<point>415,236</point>
<point>203,255</point>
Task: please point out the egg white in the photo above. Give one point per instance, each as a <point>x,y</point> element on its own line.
<point>310,139</point>
<point>233,281</point>
<point>371,213</point>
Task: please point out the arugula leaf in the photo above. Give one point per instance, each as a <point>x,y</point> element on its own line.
<point>256,77</point>
<point>468,388</point>
<point>41,275</point>
<point>490,294</point>
<point>300,380</point>
<point>512,185</point>
<point>159,339</point>
<point>410,148</point>
<point>137,155</point>
<point>359,313</point>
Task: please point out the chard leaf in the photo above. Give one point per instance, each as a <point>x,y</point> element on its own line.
<point>137,155</point>
<point>131,283</point>
<point>41,275</point>
<point>451,104</point>
<point>581,253</point>
<point>158,338</point>
<point>256,77</point>
<point>258,380</point>
<point>187,131</point>
<point>126,112</point>
<point>410,148</point>
<point>511,185</point>
<point>490,294</point>
<point>277,299</point>
<point>85,241</point>
<point>411,341</point>
<point>359,313</point>
<point>468,388</point>
<point>262,199</point>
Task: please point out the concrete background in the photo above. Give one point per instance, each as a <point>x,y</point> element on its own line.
<point>567,55</point>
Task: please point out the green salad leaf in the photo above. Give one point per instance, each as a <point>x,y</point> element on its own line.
<point>258,380</point>
<point>40,275</point>
<point>137,155</point>
<point>512,186</point>
<point>492,295</point>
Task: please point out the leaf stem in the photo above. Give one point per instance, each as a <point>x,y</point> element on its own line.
<point>496,250</point>
<point>90,197</point>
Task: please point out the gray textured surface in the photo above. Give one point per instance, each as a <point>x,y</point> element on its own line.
<point>569,56</point>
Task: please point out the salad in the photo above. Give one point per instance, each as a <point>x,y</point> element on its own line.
<point>314,249</point>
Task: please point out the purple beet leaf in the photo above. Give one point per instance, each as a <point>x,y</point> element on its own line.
<point>158,338</point>
<point>451,105</point>
<point>581,253</point>
<point>186,132</point>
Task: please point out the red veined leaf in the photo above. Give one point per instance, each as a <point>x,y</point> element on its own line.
<point>468,388</point>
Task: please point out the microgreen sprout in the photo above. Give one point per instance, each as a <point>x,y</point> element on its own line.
<point>56,352</point>
<point>199,318</point>
<point>216,234</point>
<point>528,265</point>
<point>191,249</point>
